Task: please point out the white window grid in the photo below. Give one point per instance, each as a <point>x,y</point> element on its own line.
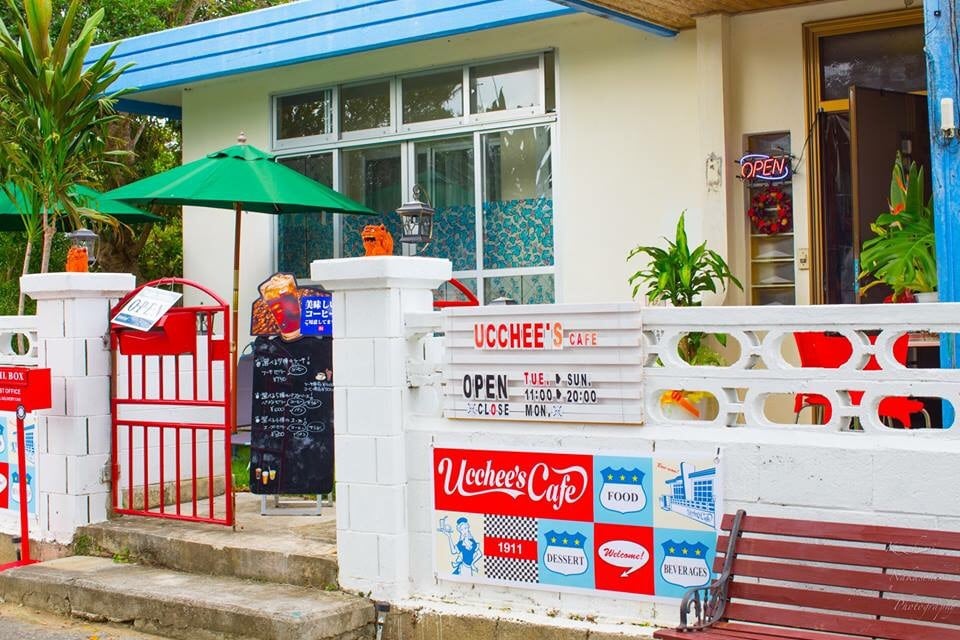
<point>408,135</point>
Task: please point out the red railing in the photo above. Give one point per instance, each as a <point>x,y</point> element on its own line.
<point>471,300</point>
<point>171,415</point>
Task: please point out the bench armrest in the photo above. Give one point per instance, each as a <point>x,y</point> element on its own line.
<point>709,602</point>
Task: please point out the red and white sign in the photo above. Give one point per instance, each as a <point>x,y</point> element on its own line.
<point>533,485</point>
<point>763,167</point>
<point>26,387</point>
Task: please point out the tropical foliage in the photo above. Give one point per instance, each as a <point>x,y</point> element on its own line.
<point>54,115</point>
<point>680,276</point>
<point>902,253</point>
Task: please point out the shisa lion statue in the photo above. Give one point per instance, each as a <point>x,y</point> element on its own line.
<point>377,241</point>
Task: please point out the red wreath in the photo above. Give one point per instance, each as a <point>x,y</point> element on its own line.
<point>771,211</point>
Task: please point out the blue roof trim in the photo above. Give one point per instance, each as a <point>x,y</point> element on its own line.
<point>149,109</point>
<point>617,16</point>
<point>306,31</point>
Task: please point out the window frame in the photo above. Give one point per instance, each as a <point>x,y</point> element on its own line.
<point>408,136</point>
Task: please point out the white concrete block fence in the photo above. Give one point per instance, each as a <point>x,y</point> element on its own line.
<point>70,335</point>
<point>390,369</point>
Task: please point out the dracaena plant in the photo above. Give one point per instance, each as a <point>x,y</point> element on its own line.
<point>680,276</point>
<point>902,253</point>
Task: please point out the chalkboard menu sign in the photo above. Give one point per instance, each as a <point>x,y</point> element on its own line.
<point>291,449</point>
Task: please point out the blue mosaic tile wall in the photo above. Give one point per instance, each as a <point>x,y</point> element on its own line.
<point>303,238</point>
<point>518,233</point>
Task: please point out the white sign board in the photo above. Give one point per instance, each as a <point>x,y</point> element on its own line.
<point>146,308</point>
<point>557,363</point>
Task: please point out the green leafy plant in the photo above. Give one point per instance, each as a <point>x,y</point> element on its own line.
<point>902,253</point>
<point>54,114</point>
<point>680,276</point>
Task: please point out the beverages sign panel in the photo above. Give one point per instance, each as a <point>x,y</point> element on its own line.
<point>622,526</point>
<point>562,363</point>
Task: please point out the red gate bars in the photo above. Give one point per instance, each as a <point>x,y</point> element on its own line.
<point>172,381</point>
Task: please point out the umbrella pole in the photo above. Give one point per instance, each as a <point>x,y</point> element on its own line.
<point>236,313</point>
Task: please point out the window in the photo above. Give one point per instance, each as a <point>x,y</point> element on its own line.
<point>436,96</point>
<point>501,86</point>
<point>305,237</point>
<point>491,187</point>
<point>305,114</point>
<point>889,59</point>
<point>365,106</point>
<point>703,491</point>
<point>371,176</point>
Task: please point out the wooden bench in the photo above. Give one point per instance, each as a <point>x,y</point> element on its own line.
<point>809,580</point>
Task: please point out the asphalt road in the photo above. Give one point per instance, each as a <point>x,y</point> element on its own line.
<point>18,623</point>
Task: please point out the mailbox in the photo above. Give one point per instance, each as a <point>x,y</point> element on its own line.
<point>24,387</point>
<point>174,334</point>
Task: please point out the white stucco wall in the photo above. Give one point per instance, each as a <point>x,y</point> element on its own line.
<point>627,158</point>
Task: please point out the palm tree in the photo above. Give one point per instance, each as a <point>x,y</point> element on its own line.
<point>53,115</point>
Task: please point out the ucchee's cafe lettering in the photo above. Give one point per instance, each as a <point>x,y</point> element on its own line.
<point>530,336</point>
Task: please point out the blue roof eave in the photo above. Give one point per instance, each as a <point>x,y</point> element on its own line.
<point>306,31</point>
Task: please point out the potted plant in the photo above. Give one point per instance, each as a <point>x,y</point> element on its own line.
<point>679,276</point>
<point>902,253</point>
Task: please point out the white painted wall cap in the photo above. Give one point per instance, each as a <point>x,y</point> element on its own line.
<point>381,272</point>
<point>49,286</point>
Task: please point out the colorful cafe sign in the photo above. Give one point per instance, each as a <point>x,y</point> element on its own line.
<point>637,526</point>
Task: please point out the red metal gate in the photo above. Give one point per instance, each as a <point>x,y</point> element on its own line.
<point>171,403</point>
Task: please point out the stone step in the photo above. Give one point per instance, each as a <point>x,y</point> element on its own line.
<point>302,555</point>
<point>186,606</point>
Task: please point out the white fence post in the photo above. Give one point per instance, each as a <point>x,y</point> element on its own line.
<point>370,298</point>
<point>73,438</point>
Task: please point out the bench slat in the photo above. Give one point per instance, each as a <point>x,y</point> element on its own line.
<point>815,621</point>
<point>844,531</point>
<point>792,634</point>
<point>729,630</point>
<point>830,576</point>
<point>813,552</point>
<point>857,604</point>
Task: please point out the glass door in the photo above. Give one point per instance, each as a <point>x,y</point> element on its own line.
<point>881,51</point>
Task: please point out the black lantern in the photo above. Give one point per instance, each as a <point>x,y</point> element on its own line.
<point>86,239</point>
<point>417,219</point>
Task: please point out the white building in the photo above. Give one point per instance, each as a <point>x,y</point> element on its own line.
<point>552,140</point>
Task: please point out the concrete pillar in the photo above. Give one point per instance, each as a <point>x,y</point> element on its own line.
<point>73,438</point>
<point>370,298</point>
<point>716,152</point>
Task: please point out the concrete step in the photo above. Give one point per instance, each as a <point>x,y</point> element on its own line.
<point>186,606</point>
<point>298,551</point>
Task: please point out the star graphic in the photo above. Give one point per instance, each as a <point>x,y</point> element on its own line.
<point>635,478</point>
<point>697,552</point>
<point>684,550</point>
<point>673,549</point>
<point>553,539</point>
<point>623,476</point>
<point>565,541</point>
<point>610,476</point>
<point>577,542</point>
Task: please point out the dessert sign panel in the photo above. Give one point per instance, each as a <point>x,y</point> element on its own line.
<point>621,525</point>
<point>563,363</point>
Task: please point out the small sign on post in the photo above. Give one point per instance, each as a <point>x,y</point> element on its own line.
<point>146,308</point>
<point>21,390</point>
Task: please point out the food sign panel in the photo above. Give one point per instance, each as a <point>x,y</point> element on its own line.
<point>576,364</point>
<point>636,526</point>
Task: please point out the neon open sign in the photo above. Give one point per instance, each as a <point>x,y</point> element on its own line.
<point>760,166</point>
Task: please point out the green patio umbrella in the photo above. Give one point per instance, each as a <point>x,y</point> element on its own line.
<point>11,212</point>
<point>238,178</point>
